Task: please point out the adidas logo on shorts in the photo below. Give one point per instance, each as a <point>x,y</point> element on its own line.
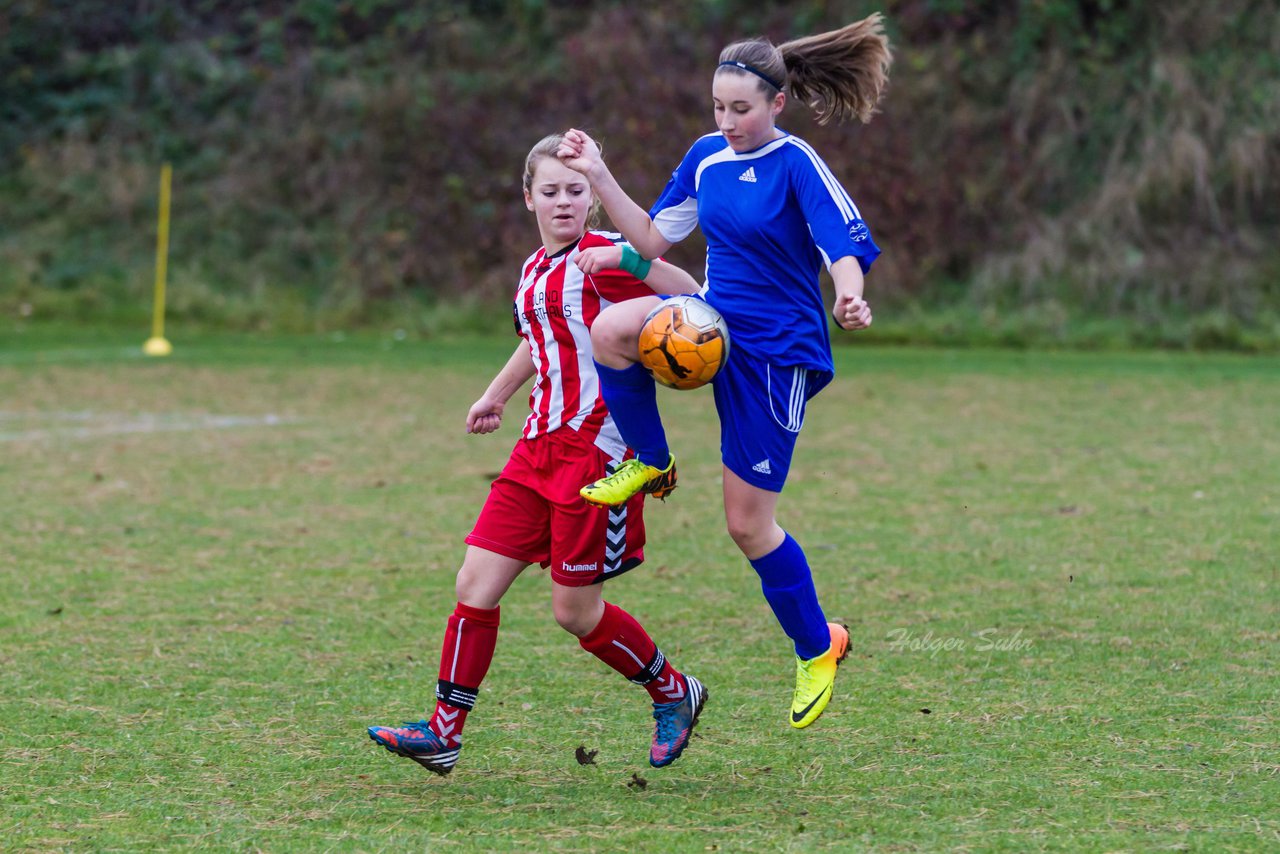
<point>762,467</point>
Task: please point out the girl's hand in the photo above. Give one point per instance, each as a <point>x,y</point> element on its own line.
<point>485,416</point>
<point>597,258</point>
<point>579,152</point>
<point>851,313</point>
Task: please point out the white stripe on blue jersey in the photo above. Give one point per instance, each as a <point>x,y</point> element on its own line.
<point>728,154</point>
<point>838,195</point>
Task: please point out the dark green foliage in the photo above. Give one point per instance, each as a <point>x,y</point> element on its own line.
<point>1098,158</point>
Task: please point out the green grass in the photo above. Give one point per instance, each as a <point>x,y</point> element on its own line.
<point>198,621</point>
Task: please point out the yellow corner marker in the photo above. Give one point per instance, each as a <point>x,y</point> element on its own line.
<point>157,345</point>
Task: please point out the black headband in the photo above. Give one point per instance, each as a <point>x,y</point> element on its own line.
<point>752,70</point>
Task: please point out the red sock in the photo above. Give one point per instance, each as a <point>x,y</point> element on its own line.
<point>469,640</point>
<point>622,643</point>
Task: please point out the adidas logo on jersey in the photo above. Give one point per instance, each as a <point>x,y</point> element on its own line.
<point>762,467</point>
<point>749,176</point>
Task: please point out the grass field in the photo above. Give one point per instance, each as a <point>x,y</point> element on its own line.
<point>1060,572</point>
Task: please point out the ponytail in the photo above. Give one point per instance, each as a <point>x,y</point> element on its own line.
<point>840,74</point>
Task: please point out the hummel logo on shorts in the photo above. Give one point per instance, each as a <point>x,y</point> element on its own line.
<point>749,176</point>
<point>763,465</point>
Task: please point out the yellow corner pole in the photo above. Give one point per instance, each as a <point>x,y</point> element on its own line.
<point>157,345</point>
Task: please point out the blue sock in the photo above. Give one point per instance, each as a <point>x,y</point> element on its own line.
<point>788,586</point>
<point>632,398</point>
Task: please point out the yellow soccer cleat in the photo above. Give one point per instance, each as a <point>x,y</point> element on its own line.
<point>815,678</point>
<point>631,477</point>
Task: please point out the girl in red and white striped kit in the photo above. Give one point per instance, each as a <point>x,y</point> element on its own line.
<point>534,513</point>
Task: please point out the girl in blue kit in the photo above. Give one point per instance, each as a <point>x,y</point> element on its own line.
<point>773,215</point>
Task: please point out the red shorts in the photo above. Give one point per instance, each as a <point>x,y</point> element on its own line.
<point>534,512</point>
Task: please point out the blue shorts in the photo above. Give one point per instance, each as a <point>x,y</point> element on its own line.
<point>761,409</point>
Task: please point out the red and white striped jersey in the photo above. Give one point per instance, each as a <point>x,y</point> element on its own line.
<point>555,305</point>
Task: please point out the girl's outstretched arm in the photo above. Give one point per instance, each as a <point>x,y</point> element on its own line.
<point>580,153</point>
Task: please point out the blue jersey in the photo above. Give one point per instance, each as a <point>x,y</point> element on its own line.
<point>771,217</point>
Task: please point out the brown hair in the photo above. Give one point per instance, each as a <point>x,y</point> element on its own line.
<point>547,147</point>
<point>840,74</point>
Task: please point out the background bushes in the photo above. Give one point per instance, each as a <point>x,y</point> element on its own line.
<point>1050,171</point>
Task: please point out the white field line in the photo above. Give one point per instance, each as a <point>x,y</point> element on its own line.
<point>50,416</point>
<point>88,425</point>
<point>67,356</point>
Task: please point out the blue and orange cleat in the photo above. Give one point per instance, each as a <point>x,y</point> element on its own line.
<point>674,724</point>
<point>417,742</point>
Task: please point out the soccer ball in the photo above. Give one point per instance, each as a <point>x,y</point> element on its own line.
<point>684,342</point>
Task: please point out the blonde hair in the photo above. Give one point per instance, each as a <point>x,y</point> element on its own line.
<point>840,74</point>
<point>547,147</point>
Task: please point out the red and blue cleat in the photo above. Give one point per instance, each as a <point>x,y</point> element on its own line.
<point>674,723</point>
<point>416,741</point>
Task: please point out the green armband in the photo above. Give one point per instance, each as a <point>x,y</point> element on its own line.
<point>634,264</point>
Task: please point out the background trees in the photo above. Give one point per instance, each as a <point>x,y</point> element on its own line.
<point>1054,160</point>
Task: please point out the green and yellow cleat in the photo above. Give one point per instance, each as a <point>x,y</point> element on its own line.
<point>631,477</point>
<point>816,677</point>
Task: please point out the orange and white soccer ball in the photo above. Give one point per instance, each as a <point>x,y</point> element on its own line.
<point>684,342</point>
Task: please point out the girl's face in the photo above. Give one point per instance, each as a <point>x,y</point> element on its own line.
<point>561,199</point>
<point>743,113</point>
